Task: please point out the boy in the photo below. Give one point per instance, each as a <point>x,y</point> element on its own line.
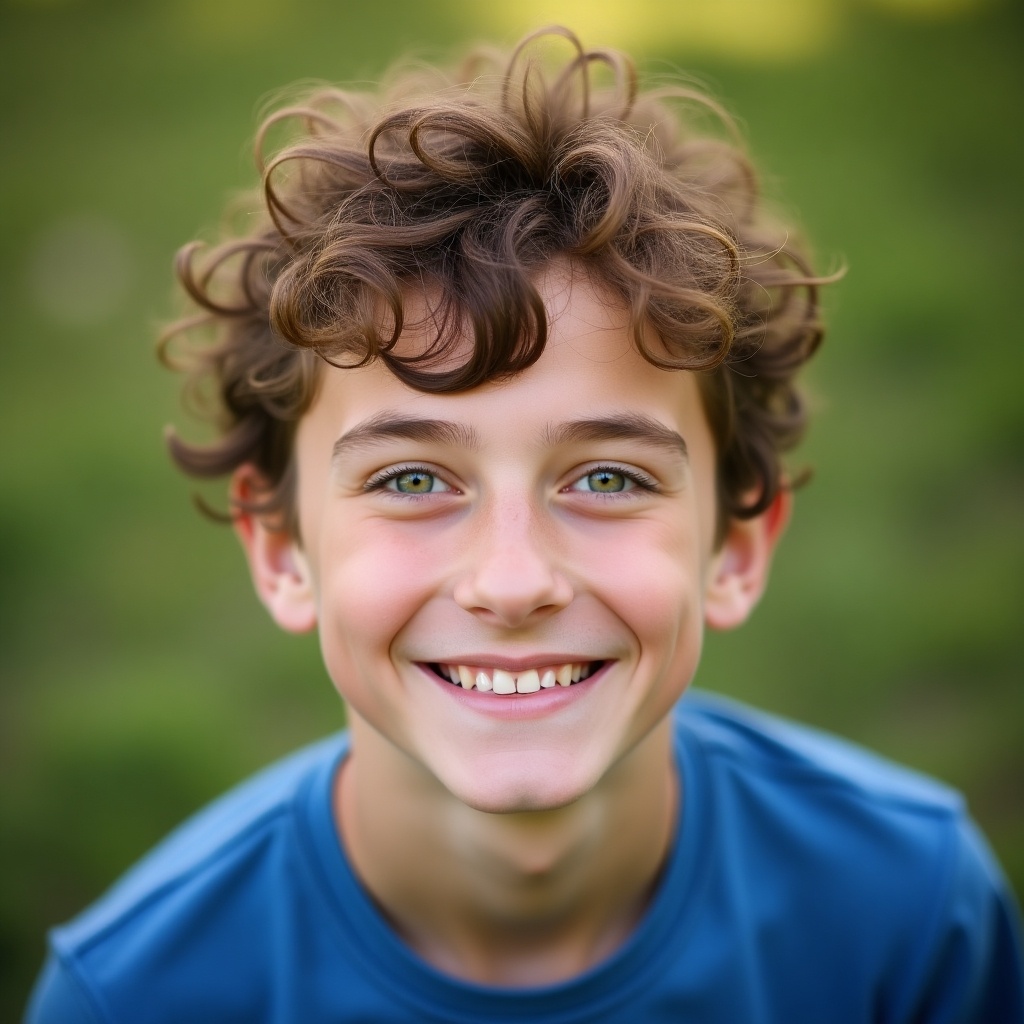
<point>506,375</point>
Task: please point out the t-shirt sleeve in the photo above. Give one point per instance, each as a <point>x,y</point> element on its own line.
<point>974,969</point>
<point>58,998</point>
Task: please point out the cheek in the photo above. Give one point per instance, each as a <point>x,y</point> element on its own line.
<point>667,620</point>
<point>652,580</point>
<point>378,578</point>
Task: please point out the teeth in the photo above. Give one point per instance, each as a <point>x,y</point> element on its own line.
<point>504,682</point>
<point>501,681</point>
<point>528,682</point>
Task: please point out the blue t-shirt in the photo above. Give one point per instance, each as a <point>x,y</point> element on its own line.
<point>809,881</point>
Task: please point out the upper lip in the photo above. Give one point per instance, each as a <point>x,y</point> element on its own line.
<point>520,664</point>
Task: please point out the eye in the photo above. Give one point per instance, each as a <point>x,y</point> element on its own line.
<point>411,480</point>
<point>417,481</point>
<point>612,480</point>
<point>604,481</point>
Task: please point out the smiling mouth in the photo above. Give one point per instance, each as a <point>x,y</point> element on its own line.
<point>499,681</point>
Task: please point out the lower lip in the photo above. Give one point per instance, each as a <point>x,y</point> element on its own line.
<point>520,706</point>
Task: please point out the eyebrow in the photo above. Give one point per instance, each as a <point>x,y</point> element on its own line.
<point>628,427</point>
<point>390,426</point>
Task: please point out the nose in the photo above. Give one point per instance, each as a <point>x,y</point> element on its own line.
<point>512,576</point>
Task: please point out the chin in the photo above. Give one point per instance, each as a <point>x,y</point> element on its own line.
<point>508,789</point>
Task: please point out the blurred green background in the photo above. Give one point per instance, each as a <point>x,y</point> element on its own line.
<point>139,675</point>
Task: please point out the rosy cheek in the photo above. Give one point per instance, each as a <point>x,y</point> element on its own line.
<point>651,582</point>
<point>380,575</point>
<point>655,567</point>
<point>663,606</point>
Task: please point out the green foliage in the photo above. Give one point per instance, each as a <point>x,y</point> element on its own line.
<point>141,678</point>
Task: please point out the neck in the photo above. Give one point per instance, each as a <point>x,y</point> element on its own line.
<point>520,899</point>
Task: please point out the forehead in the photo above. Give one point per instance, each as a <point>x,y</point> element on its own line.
<point>589,370</point>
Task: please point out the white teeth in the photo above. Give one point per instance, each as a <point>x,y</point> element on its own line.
<point>528,682</point>
<point>504,682</point>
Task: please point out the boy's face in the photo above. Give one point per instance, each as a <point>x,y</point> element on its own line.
<point>565,517</point>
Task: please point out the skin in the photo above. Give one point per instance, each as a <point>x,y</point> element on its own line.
<point>511,840</point>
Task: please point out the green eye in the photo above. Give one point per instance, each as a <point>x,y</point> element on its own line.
<point>607,481</point>
<point>415,482</point>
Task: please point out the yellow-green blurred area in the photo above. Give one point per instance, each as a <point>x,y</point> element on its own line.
<point>139,675</point>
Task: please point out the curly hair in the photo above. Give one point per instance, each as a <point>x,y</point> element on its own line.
<point>468,186</point>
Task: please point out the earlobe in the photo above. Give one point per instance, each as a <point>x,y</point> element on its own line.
<point>739,569</point>
<point>279,569</point>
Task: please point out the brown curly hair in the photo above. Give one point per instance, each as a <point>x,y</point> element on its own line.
<point>468,186</point>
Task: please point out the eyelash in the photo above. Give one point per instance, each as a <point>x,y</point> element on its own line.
<point>643,481</point>
<point>379,481</point>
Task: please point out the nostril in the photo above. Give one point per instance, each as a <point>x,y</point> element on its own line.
<point>513,592</point>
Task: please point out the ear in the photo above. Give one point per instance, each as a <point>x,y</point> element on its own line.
<point>739,569</point>
<point>279,569</point>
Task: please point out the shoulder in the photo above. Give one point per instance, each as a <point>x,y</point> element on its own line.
<point>200,890</point>
<point>880,865</point>
<point>818,808</point>
<point>743,743</point>
<point>215,841</point>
